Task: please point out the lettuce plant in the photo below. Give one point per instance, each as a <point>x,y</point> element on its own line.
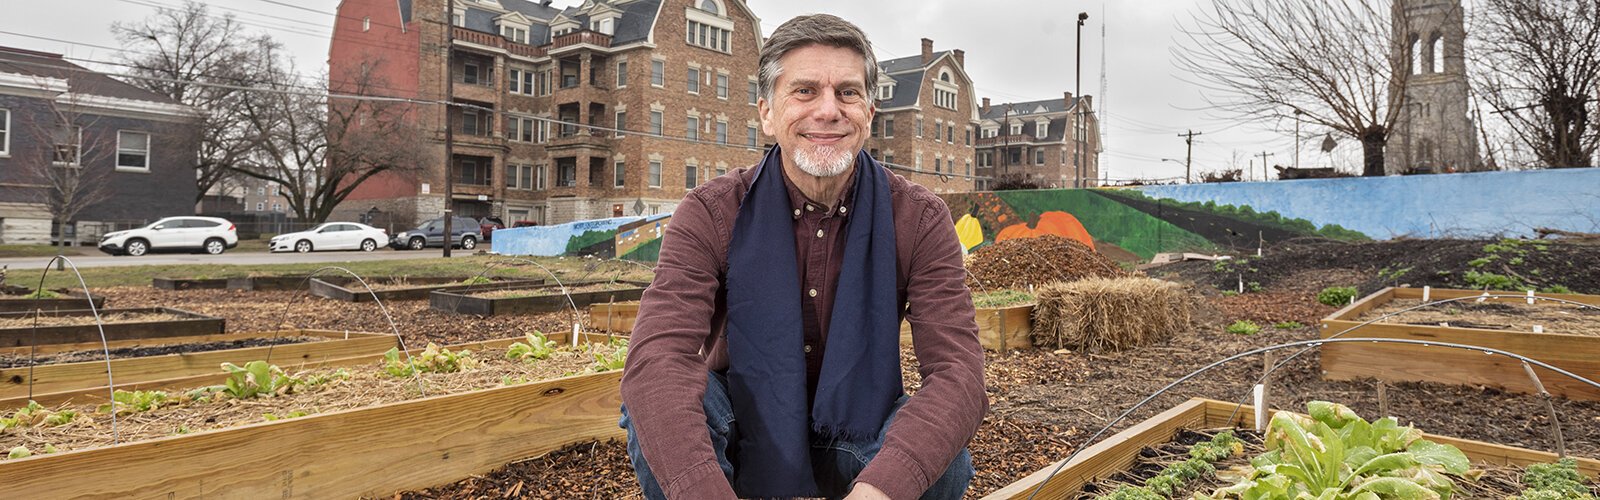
<point>36,414</point>
<point>536,348</point>
<point>293,414</point>
<point>129,402</point>
<point>614,361</point>
<point>255,379</point>
<point>433,359</point>
<point>1336,455</point>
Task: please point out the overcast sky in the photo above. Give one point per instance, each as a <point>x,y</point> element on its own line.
<point>1017,50</point>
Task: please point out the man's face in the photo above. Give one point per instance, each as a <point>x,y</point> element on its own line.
<point>820,111</point>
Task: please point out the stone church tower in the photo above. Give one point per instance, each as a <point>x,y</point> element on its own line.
<point>1435,132</point>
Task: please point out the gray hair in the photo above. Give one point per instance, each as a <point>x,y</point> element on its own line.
<point>814,29</point>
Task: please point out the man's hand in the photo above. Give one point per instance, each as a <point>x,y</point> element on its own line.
<point>864,491</point>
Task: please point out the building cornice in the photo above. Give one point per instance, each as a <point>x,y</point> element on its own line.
<point>31,85</point>
<point>130,108</point>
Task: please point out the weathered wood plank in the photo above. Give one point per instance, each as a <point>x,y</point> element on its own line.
<point>367,452</point>
<point>1446,293</point>
<point>1017,323</point>
<point>56,304</point>
<point>614,317</point>
<point>193,339</point>
<point>191,324</point>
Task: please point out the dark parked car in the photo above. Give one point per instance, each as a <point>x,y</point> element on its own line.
<point>488,225</point>
<point>465,234</point>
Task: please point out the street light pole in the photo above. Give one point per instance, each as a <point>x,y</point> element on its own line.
<point>1077,137</point>
<point>1296,139</point>
<point>449,132</point>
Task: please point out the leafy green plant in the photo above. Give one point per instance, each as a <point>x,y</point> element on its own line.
<point>256,379</point>
<point>1171,479</point>
<point>1555,481</point>
<point>317,379</point>
<point>128,402</point>
<point>1288,325</point>
<point>477,280</point>
<point>1337,296</point>
<point>1244,327</point>
<point>1492,281</point>
<point>293,414</point>
<point>1252,287</point>
<point>42,294</point>
<point>1230,293</point>
<point>35,414</point>
<point>433,359</point>
<point>1335,454</point>
<point>1482,261</point>
<point>536,348</point>
<point>1389,274</point>
<point>613,361</point>
<point>19,452</point>
<point>1555,289</point>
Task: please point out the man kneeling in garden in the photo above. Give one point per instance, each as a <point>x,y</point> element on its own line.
<point>765,361</point>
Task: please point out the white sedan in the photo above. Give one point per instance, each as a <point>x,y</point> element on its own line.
<point>331,236</point>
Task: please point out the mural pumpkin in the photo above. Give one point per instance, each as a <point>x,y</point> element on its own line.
<point>1054,222</point>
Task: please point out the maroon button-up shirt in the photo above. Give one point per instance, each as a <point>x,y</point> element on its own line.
<point>680,334</point>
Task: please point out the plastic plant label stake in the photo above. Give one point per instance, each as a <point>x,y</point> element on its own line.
<point>575,334</point>
<point>1259,395</point>
<point>1538,328</point>
<point>1426,291</point>
<point>1530,297</point>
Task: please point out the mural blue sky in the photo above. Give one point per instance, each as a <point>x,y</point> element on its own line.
<point>1017,50</point>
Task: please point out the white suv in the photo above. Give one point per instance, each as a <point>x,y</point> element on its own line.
<point>207,234</point>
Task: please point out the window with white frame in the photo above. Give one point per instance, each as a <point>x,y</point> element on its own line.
<point>722,86</point>
<point>512,170</point>
<point>655,122</point>
<point>919,126</point>
<point>658,72</point>
<point>622,74</point>
<point>619,173</point>
<point>707,36</point>
<point>622,123</point>
<point>938,165</point>
<point>1038,157</point>
<point>692,128</point>
<point>691,176</point>
<point>515,34</point>
<point>1041,128</point>
<point>694,80</point>
<point>710,6</point>
<point>539,177</point>
<point>133,150</point>
<point>888,127</point>
<point>938,127</point>
<point>750,136</point>
<point>944,98</point>
<point>722,132</point>
<point>606,26</point>
<point>950,134</point>
<point>655,173</point>
<point>754,92</point>
<point>68,145</point>
<point>261,206</point>
<point>5,132</point>
<point>1016,128</point>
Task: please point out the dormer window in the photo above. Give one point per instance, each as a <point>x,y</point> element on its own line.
<point>604,26</point>
<point>885,92</point>
<point>707,27</point>
<point>1041,128</point>
<point>944,76</point>
<point>515,34</point>
<point>1016,129</point>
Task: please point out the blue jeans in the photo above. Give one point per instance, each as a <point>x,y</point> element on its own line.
<point>835,463</point>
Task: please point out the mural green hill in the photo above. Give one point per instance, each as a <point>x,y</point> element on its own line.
<point>1106,221</point>
<point>1247,214</point>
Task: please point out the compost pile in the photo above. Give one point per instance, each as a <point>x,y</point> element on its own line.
<point>1018,263</point>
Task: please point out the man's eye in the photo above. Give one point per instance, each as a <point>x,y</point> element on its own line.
<point>804,91</point>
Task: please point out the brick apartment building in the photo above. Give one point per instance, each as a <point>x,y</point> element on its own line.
<point>1038,142</point>
<point>62,125</point>
<point>679,76</point>
<point>927,118</point>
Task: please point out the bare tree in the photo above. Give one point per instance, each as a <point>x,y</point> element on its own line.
<point>319,146</point>
<point>1332,60</point>
<point>71,173</point>
<point>1537,65</point>
<point>184,54</point>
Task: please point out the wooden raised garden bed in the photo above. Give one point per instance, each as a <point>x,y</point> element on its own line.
<point>17,303</point>
<point>489,300</point>
<point>59,377</point>
<point>120,324</point>
<point>1003,327</point>
<point>1567,350</point>
<point>415,444</point>
<point>262,283</point>
<point>1116,453</point>
<point>398,288</point>
<point>189,284</point>
<point>614,316</point>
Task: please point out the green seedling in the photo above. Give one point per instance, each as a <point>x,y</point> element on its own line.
<point>1229,293</point>
<point>129,402</point>
<point>1335,454</point>
<point>1337,296</point>
<point>1492,281</point>
<point>42,294</point>
<point>1555,289</point>
<point>293,414</point>
<point>433,359</point>
<point>1253,287</point>
<point>19,452</point>
<point>36,414</point>
<point>1288,325</point>
<point>614,361</point>
<point>477,280</point>
<point>1244,327</point>
<point>536,348</point>
<point>256,379</point>
<point>318,379</point>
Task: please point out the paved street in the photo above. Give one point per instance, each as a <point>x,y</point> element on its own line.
<point>232,257</point>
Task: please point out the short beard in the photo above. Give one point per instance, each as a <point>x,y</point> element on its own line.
<point>824,161</point>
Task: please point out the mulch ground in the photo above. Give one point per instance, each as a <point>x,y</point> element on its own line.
<point>1044,404</point>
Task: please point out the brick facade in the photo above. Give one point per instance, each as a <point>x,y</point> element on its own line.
<point>930,91</point>
<point>559,171</point>
<point>1039,142</point>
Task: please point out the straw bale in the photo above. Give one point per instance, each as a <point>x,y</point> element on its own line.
<point>1109,314</point>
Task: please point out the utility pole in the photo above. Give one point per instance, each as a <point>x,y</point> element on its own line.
<point>1077,128</point>
<point>1188,158</point>
<point>1264,156</point>
<point>1296,138</point>
<point>449,131</point>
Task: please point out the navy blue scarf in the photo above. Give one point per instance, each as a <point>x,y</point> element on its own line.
<point>860,378</point>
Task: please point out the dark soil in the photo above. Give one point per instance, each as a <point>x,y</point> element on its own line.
<point>582,470</point>
<point>11,361</point>
<point>1437,263</point>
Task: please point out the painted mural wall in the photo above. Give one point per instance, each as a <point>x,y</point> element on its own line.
<point>1136,224</point>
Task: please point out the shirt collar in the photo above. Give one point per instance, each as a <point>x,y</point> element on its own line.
<point>798,202</point>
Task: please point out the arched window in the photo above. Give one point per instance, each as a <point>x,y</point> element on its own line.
<point>710,6</point>
<point>1416,55</point>
<point>944,76</point>
<point>1438,53</point>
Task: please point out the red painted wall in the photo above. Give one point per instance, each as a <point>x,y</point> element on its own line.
<point>371,31</point>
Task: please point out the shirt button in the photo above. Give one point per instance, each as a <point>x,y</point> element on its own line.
<point>796,212</point>
<point>841,210</point>
<point>808,348</point>
<point>812,292</point>
<point>810,208</point>
<point>819,233</point>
